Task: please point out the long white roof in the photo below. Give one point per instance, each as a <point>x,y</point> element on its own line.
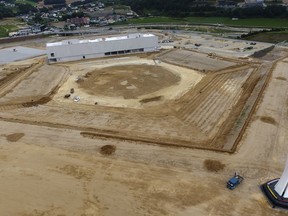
<point>77,41</point>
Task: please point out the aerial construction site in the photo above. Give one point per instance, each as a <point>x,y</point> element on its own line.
<point>142,133</point>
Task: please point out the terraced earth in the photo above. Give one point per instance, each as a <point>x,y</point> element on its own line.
<point>173,105</point>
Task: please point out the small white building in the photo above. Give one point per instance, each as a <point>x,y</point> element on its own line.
<point>74,49</point>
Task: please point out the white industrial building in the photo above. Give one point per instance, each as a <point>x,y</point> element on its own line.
<point>74,49</point>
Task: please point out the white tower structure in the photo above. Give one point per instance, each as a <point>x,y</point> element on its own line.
<point>276,190</point>
<point>282,184</point>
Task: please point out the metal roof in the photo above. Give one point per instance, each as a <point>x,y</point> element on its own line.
<point>77,41</point>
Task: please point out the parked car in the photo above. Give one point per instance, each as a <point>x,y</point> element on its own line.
<point>76,98</point>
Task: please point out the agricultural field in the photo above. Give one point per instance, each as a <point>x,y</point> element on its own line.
<point>269,37</point>
<point>26,2</point>
<point>5,29</point>
<point>9,25</point>
<point>144,134</point>
<point>249,22</point>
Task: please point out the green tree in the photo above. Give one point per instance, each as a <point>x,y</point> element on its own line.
<point>5,11</point>
<point>25,8</point>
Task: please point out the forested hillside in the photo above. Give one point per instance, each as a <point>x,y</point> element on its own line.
<point>162,7</point>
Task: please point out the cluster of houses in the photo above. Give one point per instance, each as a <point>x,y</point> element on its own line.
<point>31,30</point>
<point>96,14</point>
<point>245,3</point>
<point>248,3</point>
<point>99,15</point>
<point>7,4</point>
<point>74,23</point>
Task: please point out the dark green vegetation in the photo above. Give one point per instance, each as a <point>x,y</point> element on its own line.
<point>31,2</point>
<point>262,22</point>
<point>25,8</point>
<point>5,11</point>
<point>186,8</point>
<point>48,2</point>
<point>77,3</point>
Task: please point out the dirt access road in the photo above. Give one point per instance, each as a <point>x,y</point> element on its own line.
<point>49,171</point>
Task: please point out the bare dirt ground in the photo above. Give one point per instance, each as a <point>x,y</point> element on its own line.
<point>173,104</point>
<point>58,157</point>
<point>141,80</point>
<point>220,46</point>
<point>201,61</point>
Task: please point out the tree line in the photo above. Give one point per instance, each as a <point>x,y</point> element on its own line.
<point>172,8</point>
<point>184,8</point>
<point>54,2</point>
<point>6,11</point>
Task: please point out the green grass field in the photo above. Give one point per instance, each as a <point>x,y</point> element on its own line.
<point>5,29</point>
<point>269,37</point>
<point>26,2</point>
<point>256,22</point>
<point>263,22</point>
<point>155,20</point>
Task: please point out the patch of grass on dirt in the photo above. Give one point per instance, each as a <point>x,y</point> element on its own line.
<point>5,29</point>
<point>77,171</point>
<point>146,100</point>
<point>26,2</point>
<point>37,102</point>
<point>281,78</point>
<point>268,120</point>
<point>107,149</point>
<point>14,137</point>
<point>213,165</point>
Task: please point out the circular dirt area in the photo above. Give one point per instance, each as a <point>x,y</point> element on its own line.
<point>128,81</point>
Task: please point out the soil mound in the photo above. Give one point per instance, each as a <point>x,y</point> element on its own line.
<point>107,149</point>
<point>14,137</point>
<point>213,165</point>
<point>268,120</point>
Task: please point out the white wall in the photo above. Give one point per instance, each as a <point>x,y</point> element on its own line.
<point>76,51</point>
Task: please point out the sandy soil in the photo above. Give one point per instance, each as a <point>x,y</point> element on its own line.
<point>219,46</point>
<point>128,81</point>
<point>54,170</point>
<point>184,79</point>
<point>174,105</point>
<point>51,171</point>
<point>198,61</point>
<point>26,90</point>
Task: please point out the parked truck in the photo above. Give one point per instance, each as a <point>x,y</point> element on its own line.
<point>234,181</point>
